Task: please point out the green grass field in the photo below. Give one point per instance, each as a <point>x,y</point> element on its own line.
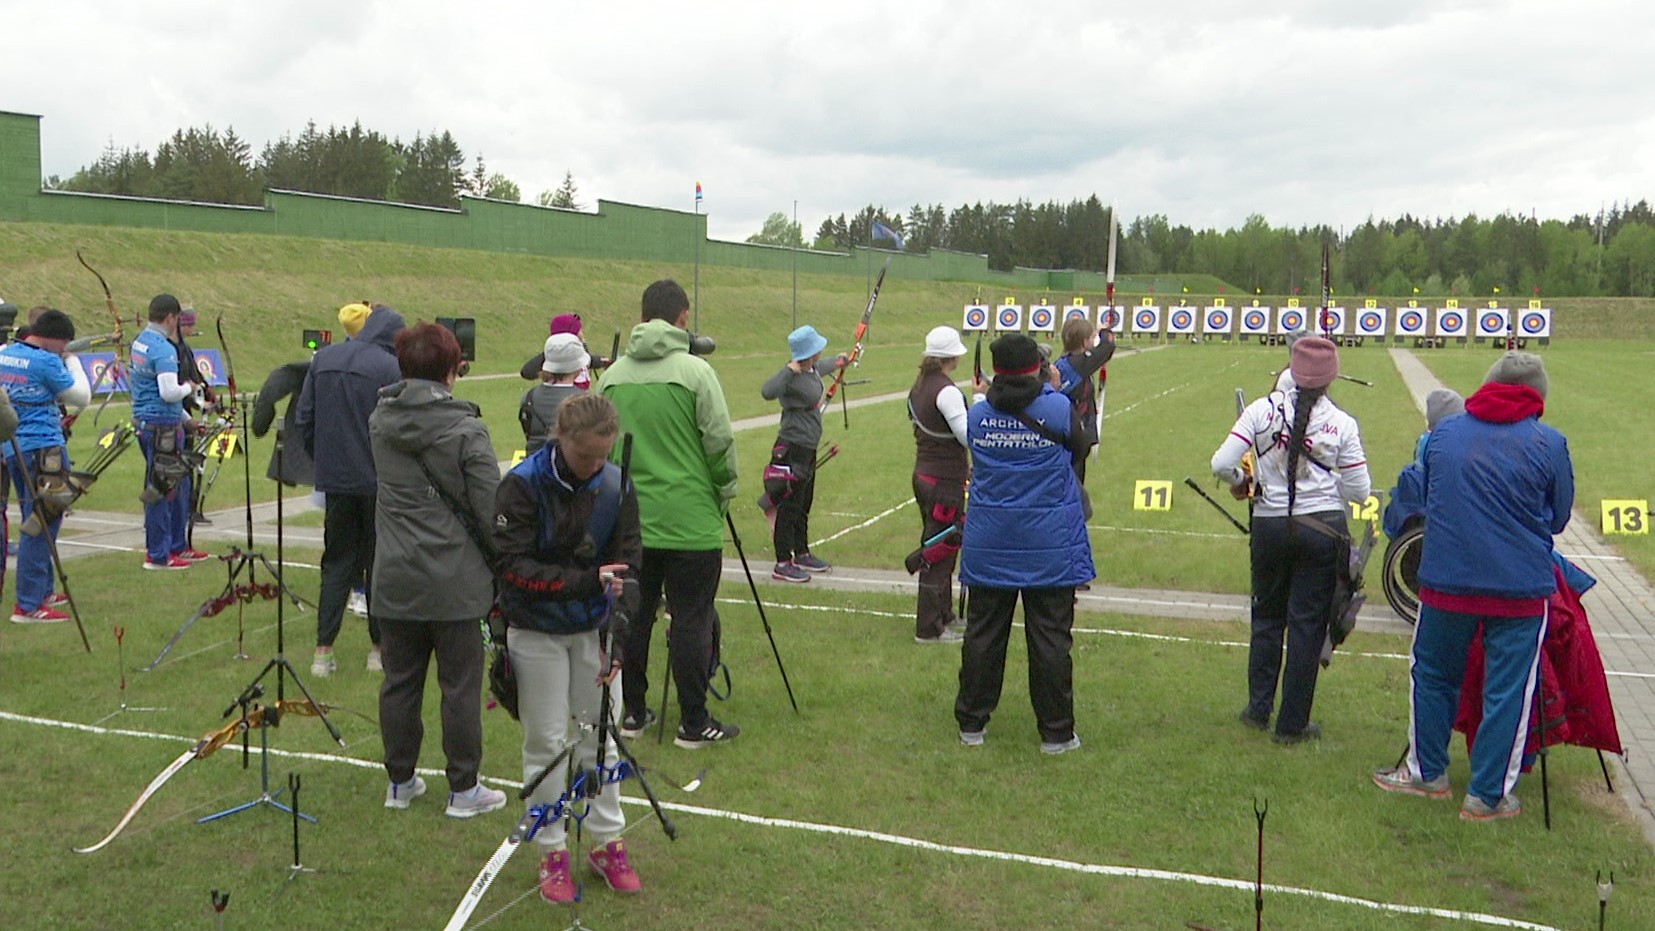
<point>863,809</point>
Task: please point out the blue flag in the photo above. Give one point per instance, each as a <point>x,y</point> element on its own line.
<point>881,231</point>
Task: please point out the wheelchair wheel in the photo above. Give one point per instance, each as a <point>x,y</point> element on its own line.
<point>1401,578</point>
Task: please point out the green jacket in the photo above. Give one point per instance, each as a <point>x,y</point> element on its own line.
<point>683,449</point>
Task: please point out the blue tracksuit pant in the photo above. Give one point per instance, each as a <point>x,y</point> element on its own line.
<point>34,554</point>
<point>1511,646</point>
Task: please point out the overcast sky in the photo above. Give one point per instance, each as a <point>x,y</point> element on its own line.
<point>1206,111</point>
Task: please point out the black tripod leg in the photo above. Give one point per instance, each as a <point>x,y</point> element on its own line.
<point>643,783</point>
<point>1604,765</point>
<point>283,665</point>
<point>759,603</point>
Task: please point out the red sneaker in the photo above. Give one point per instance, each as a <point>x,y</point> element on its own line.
<point>555,885</point>
<point>173,562</point>
<point>40,615</point>
<point>191,555</point>
<point>610,862</point>
<point>55,599</point>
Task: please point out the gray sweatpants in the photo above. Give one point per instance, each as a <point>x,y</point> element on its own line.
<point>557,678</point>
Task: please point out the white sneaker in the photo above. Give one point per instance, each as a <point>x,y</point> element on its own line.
<point>399,794</point>
<point>375,664</point>
<point>357,604</point>
<point>323,665</point>
<point>478,800</point>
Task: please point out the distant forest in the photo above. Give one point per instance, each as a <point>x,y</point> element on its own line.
<point>1610,253</point>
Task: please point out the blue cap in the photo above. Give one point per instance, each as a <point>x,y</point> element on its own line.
<point>805,342</point>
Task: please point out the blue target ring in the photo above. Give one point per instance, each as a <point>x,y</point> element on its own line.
<point>1182,319</point>
<point>1254,320</point>
<point>1218,320</point>
<point>1371,322</point>
<point>1452,322</point>
<point>1492,323</point>
<point>1412,321</point>
<point>976,318</point>
<point>1292,320</point>
<point>1146,319</point>
<point>1008,319</point>
<point>1040,318</point>
<point>1534,323</point>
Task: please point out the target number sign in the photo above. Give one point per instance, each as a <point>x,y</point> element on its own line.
<point>517,457</point>
<point>224,446</point>
<point>1151,495</point>
<point>1626,516</point>
<point>1365,510</point>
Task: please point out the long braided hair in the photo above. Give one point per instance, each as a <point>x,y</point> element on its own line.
<point>1302,407</point>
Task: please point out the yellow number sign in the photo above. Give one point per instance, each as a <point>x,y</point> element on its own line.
<point>1151,495</point>
<point>224,446</point>
<point>1365,510</point>
<point>1626,516</point>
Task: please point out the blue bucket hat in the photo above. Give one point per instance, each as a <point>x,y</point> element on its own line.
<point>805,342</point>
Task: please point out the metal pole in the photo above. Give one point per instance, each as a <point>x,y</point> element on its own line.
<point>794,236</point>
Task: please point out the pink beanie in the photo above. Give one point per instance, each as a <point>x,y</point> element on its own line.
<point>565,323</point>
<point>1315,362</point>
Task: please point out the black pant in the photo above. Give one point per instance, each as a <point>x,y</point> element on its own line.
<point>792,535</point>
<point>1048,620</point>
<point>1293,578</point>
<point>347,560</point>
<point>690,581</point>
<point>408,648</point>
<point>941,502</point>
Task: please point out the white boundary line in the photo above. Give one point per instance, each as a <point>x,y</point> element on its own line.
<point>1073,866</point>
<point>867,523</point>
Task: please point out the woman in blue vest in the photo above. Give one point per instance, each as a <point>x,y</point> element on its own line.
<point>1025,537</point>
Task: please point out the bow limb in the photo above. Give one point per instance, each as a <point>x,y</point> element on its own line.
<point>315,709</point>
<point>224,346</point>
<point>116,370</point>
<point>855,355</point>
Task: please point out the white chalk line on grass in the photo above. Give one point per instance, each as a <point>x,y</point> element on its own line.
<point>1128,634</point>
<point>1173,533</point>
<point>68,541</point>
<point>867,523</point>
<point>913,843</point>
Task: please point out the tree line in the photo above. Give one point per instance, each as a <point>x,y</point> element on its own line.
<point>203,164</point>
<point>1611,253</point>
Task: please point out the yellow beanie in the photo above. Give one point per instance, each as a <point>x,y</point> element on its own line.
<point>353,316</point>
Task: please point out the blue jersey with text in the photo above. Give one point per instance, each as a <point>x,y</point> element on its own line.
<point>152,354</point>
<point>33,378</point>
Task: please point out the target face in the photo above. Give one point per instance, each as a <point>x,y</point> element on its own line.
<point>1371,322</point>
<point>1535,323</point>
<point>1181,321</point>
<point>1218,321</point>
<point>1010,317</point>
<point>1411,321</point>
<point>1076,310</point>
<point>1041,318</point>
<point>1292,319</point>
<point>976,318</point>
<point>1451,323</point>
<point>1492,323</point>
<point>1111,318</point>
<point>208,370</point>
<point>1255,321</point>
<point>1146,320</point>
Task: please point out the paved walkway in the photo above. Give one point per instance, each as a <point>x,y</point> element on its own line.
<point>1619,607</point>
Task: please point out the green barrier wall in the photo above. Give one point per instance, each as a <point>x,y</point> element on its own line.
<point>615,231</point>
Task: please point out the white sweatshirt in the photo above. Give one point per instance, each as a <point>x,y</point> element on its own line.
<point>1332,471</point>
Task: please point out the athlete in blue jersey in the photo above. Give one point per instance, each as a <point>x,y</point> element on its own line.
<point>157,411</point>
<point>38,377</point>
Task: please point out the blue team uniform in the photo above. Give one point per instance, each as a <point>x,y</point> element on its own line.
<point>33,378</point>
<point>165,521</point>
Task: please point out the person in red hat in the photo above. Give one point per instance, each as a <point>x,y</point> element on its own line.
<point>1309,464</point>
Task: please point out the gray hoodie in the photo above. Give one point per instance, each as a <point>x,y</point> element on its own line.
<point>427,566</point>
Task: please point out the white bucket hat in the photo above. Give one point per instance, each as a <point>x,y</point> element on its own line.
<point>944,343</point>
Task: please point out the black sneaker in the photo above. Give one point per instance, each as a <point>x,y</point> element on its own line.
<point>635,723</point>
<point>710,733</point>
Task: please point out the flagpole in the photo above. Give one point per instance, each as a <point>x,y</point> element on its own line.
<point>697,304</point>
<point>794,237</point>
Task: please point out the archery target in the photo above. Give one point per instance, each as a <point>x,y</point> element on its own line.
<point>1493,322</point>
<point>1146,320</point>
<point>976,318</point>
<point>1290,319</point>
<point>1042,318</point>
<point>1077,310</point>
<point>1410,321</point>
<point>1180,321</point>
<point>1217,320</point>
<point>1008,317</point>
<point>1255,321</point>
<point>1535,322</point>
<point>1112,318</point>
<point>1330,320</point>
<point>1370,321</point>
<point>1451,322</point>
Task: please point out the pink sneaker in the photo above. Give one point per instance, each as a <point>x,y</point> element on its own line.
<point>555,885</point>
<point>40,615</point>
<point>192,555</point>
<point>55,599</point>
<point>172,563</point>
<point>610,862</point>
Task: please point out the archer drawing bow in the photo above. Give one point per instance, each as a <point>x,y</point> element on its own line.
<point>855,356</point>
